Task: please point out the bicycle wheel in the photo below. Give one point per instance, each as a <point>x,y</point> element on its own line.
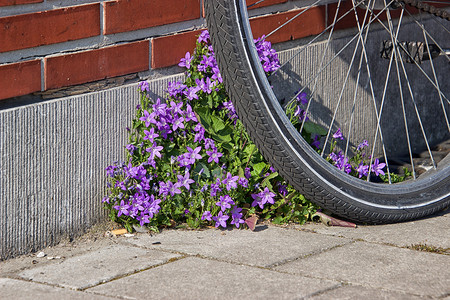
<point>376,70</point>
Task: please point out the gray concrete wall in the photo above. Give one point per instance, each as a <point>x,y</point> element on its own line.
<point>53,156</point>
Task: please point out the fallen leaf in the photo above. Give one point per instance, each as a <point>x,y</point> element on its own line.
<point>119,231</point>
<point>251,222</point>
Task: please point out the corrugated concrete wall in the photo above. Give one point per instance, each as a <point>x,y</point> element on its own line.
<point>53,156</point>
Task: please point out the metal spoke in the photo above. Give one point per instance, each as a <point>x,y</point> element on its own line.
<point>321,63</point>
<point>331,26</point>
<point>292,19</point>
<point>437,83</point>
<point>335,56</point>
<point>256,3</point>
<point>382,103</point>
<point>405,121</point>
<point>407,53</point>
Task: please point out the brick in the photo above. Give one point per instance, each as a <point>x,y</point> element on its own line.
<point>264,3</point>
<point>350,21</point>
<point>86,66</point>
<point>311,22</point>
<point>129,15</point>
<point>168,50</point>
<point>49,27</point>
<point>20,78</point>
<point>18,2</point>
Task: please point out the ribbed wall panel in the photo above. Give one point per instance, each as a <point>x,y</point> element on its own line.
<point>53,160</point>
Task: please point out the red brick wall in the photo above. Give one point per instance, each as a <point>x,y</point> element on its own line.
<point>117,21</point>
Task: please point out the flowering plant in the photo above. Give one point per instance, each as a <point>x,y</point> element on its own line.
<point>189,159</point>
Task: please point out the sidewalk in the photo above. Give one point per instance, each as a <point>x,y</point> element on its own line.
<point>311,261</point>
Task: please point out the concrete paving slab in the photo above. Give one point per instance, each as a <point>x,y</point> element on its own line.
<point>430,231</point>
<point>196,278</point>
<point>351,292</point>
<point>379,266</point>
<point>25,290</point>
<point>266,247</point>
<point>80,272</point>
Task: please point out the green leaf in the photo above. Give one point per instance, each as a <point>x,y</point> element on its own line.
<point>259,167</point>
<point>278,220</point>
<point>201,166</point>
<point>217,124</point>
<point>311,127</point>
<point>204,117</point>
<point>217,172</point>
<point>266,181</point>
<point>249,149</point>
<point>222,138</point>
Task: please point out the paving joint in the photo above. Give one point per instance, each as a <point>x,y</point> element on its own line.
<point>170,260</point>
<point>314,253</point>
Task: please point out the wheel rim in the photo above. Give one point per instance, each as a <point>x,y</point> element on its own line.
<point>440,169</point>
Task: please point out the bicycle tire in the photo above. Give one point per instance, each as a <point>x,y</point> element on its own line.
<point>293,158</point>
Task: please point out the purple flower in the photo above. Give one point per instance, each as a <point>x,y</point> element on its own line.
<point>178,123</point>
<point>148,118</point>
<point>189,114</point>
<point>193,154</point>
<point>362,170</point>
<point>225,202</point>
<point>302,98</point>
<point>216,74</point>
<point>257,200</point>
<point>243,182</point>
<point>214,156</point>
<point>150,135</point>
<point>175,88</point>
<point>221,220</point>
<point>209,143</point>
<point>338,134</point>
<point>377,167</point>
<point>143,219</point>
<point>282,189</point>
<point>130,148</point>
<point>206,215</point>
<point>209,85</point>
<point>316,142</point>
<point>185,180</point>
<point>365,143</point>
<point>184,160</point>
<point>176,107</point>
<point>215,187</point>
<point>236,212</point>
<point>191,92</point>
<point>135,172</point>
<point>247,173</point>
<point>341,162</point>
<point>230,181</point>
<point>163,188</point>
<point>267,196</point>
<point>154,151</point>
<point>203,37</point>
<point>143,85</point>
<point>173,188</point>
<point>186,61</point>
<point>160,108</point>
<point>301,114</point>
<point>122,208</point>
<point>237,221</point>
<point>209,61</point>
